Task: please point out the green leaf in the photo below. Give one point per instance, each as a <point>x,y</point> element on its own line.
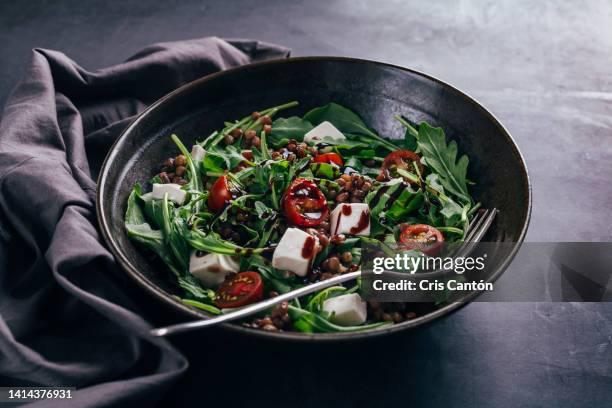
<point>380,202</point>
<point>345,144</point>
<point>410,141</point>
<point>354,163</point>
<point>220,158</point>
<point>214,163</point>
<point>173,227</point>
<point>265,152</point>
<point>442,159</point>
<point>309,322</point>
<point>453,214</point>
<point>140,231</point>
<point>193,289</point>
<point>410,137</point>
<point>349,123</point>
<point>316,302</point>
<point>325,170</point>
<point>203,306</point>
<point>293,127</point>
<point>270,275</point>
<point>408,202</point>
<point>212,242</point>
<point>194,182</point>
<point>345,120</point>
<point>365,154</point>
<point>154,211</point>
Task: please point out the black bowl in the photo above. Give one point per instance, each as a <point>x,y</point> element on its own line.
<point>374,90</point>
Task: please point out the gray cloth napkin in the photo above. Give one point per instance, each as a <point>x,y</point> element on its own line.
<point>65,319</point>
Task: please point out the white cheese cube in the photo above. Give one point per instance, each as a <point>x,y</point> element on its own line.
<point>295,251</point>
<point>346,310</point>
<point>174,192</point>
<point>353,219</point>
<point>324,130</point>
<point>211,269</point>
<point>197,153</point>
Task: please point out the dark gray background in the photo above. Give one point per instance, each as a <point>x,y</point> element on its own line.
<point>543,67</point>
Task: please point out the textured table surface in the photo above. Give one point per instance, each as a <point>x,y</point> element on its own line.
<point>544,69</point>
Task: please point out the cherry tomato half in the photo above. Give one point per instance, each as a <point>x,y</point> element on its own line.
<point>304,204</point>
<point>329,158</point>
<point>422,237</point>
<point>242,289</point>
<point>219,194</point>
<point>402,159</point>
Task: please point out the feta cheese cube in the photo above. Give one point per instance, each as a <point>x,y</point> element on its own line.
<point>353,219</point>
<point>295,251</point>
<point>324,130</point>
<point>211,269</point>
<point>197,153</point>
<point>174,192</point>
<point>346,310</point>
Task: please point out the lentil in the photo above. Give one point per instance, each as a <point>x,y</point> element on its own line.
<point>180,160</point>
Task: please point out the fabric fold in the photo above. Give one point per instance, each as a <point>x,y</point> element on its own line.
<point>64,317</point>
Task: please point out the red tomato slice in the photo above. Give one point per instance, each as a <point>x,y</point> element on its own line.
<point>304,204</point>
<point>329,158</point>
<point>402,159</point>
<point>422,237</point>
<point>219,194</point>
<point>242,289</point>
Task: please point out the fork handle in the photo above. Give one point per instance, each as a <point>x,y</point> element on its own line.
<point>254,308</point>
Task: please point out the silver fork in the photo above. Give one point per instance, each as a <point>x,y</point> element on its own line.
<point>476,231</point>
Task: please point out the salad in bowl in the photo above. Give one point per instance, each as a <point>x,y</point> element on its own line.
<point>271,203</point>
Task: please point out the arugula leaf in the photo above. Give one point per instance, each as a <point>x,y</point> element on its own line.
<point>212,242</point>
<point>173,237</point>
<point>152,209</point>
<point>410,141</point>
<point>345,144</point>
<point>293,127</point>
<point>349,123</point>
<point>213,162</point>
<point>345,120</point>
<point>365,154</point>
<point>408,202</point>
<point>193,289</point>
<point>270,275</point>
<point>308,322</point>
<point>442,158</point>
<point>315,304</point>
<point>265,153</point>
<point>410,137</point>
<point>194,183</point>
<point>325,170</point>
<point>354,163</point>
<point>263,211</point>
<point>139,230</point>
<point>378,199</point>
<point>203,306</point>
<point>218,159</point>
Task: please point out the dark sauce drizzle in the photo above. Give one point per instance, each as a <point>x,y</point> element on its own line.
<point>308,247</point>
<point>364,222</point>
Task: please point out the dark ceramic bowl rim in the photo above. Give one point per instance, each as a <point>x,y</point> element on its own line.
<point>188,311</point>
